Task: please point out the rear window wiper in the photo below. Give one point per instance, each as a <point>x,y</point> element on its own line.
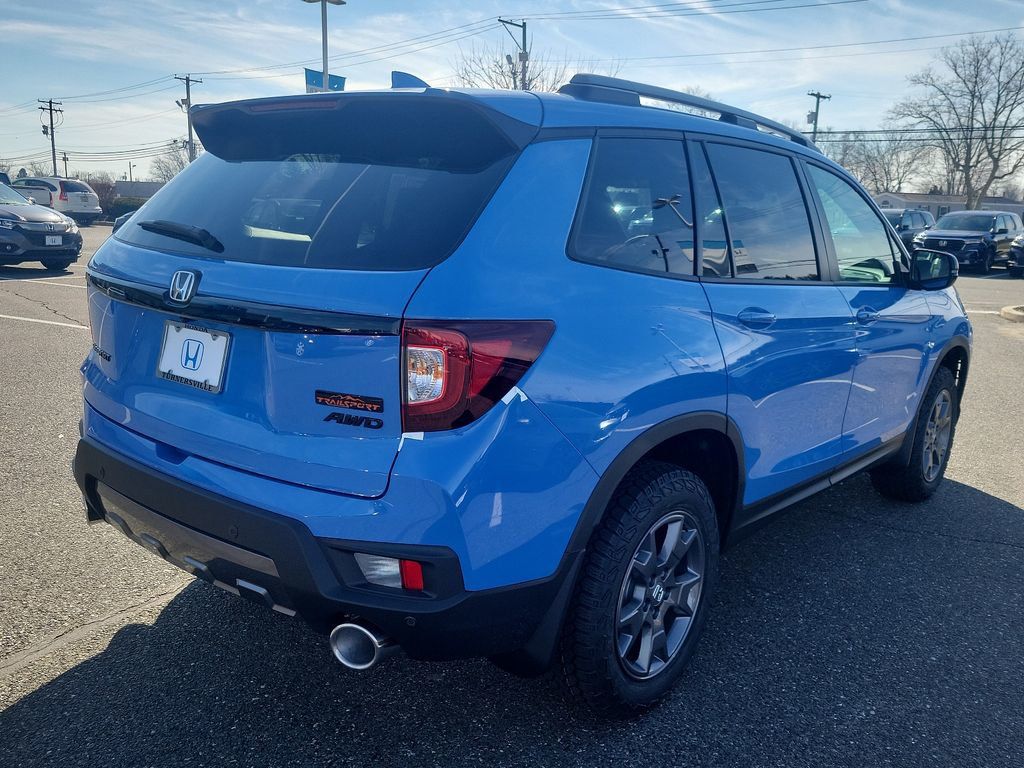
<point>187,232</point>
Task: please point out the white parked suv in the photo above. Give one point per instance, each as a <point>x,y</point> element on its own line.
<point>71,197</point>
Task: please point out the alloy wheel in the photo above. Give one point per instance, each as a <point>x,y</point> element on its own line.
<point>660,594</point>
<point>937,434</point>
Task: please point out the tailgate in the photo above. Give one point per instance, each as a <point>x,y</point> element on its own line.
<point>304,396</point>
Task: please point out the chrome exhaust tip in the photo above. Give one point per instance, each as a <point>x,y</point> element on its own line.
<point>359,647</point>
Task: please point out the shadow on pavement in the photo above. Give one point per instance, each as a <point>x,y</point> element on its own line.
<point>21,272</point>
<point>853,632</point>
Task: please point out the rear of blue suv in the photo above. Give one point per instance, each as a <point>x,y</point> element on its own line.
<point>477,373</point>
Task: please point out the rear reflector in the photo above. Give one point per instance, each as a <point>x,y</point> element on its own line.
<point>456,371</point>
<point>412,575</point>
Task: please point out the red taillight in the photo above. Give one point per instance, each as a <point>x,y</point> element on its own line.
<point>412,574</point>
<point>455,371</point>
<point>63,192</point>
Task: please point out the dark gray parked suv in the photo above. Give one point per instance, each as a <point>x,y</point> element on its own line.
<point>909,223</point>
<point>30,232</point>
<point>978,239</point>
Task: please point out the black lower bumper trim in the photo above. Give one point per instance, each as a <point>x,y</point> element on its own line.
<point>277,562</point>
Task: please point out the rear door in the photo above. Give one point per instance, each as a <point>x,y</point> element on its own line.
<point>894,324</point>
<point>249,314</point>
<point>786,333</point>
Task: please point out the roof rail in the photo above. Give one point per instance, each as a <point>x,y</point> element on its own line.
<point>613,90</point>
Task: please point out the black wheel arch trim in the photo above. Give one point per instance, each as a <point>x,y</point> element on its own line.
<point>902,458</point>
<point>676,426</point>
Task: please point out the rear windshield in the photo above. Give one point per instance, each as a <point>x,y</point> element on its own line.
<point>383,189</point>
<point>75,186</point>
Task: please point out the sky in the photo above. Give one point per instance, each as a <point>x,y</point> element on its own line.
<point>112,63</point>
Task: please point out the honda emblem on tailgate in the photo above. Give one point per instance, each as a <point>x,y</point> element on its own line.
<point>183,287</point>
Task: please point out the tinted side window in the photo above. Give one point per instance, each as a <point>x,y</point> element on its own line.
<point>637,212</point>
<point>765,213</point>
<point>918,221</point>
<point>860,238</point>
<point>76,186</point>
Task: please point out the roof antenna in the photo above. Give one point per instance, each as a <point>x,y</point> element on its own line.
<point>405,80</point>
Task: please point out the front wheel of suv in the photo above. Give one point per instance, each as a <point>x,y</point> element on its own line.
<point>933,440</point>
<point>644,591</point>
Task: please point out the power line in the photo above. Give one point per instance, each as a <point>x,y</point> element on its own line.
<point>458,32</point>
<point>691,11</point>
<point>630,10</point>
<point>371,60</point>
<point>755,51</point>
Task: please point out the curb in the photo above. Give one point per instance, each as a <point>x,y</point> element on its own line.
<point>1014,314</point>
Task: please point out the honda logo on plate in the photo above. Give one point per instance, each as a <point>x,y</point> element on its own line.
<point>192,354</point>
<point>183,286</point>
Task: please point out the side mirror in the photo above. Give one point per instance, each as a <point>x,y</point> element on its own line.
<point>927,226</point>
<point>31,200</point>
<point>933,270</point>
<point>1002,231</point>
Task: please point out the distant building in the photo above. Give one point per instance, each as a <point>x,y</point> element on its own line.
<point>942,204</point>
<point>140,189</point>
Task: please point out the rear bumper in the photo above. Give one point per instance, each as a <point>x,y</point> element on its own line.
<point>277,561</point>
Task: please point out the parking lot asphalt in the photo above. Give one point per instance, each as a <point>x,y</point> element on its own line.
<point>853,631</point>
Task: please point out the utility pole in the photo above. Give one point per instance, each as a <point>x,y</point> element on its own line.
<point>812,117</point>
<point>524,53</point>
<point>187,106</point>
<point>50,104</point>
<point>130,166</point>
<point>65,159</point>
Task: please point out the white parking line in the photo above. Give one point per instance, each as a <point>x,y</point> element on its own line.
<point>44,281</point>
<point>982,312</point>
<point>44,322</point>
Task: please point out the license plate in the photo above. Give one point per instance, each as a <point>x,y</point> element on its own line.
<point>193,356</point>
<point>54,240</point>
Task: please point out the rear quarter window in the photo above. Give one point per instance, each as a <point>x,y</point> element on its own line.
<point>76,186</point>
<point>636,213</point>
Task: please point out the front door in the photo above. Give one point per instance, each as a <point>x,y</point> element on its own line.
<point>894,324</point>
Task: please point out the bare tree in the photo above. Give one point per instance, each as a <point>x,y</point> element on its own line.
<point>40,168</point>
<point>491,67</point>
<point>5,165</point>
<point>883,161</point>
<point>102,183</point>
<point>972,105</point>
<point>172,162</point>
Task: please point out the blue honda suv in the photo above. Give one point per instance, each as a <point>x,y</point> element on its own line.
<point>474,373</point>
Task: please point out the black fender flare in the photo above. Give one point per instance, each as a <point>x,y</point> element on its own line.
<point>538,653</point>
<point>640,446</point>
<point>902,457</point>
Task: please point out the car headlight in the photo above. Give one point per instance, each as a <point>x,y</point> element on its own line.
<point>72,226</point>
<point>6,224</point>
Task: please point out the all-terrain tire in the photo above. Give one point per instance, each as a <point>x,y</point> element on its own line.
<point>912,482</point>
<point>589,668</point>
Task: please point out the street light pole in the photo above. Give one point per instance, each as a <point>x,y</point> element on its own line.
<point>323,28</point>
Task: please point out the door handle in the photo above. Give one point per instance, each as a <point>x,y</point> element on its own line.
<point>754,317</point>
<point>866,315</point>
